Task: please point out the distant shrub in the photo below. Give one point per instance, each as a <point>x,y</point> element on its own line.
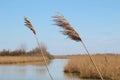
<point>20,52</point>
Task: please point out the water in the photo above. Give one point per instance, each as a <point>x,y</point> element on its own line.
<point>35,72</point>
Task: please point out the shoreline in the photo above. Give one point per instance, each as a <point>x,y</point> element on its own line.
<point>108,64</point>
<point>22,60</point>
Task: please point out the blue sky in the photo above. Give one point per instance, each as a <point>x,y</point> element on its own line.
<point>97,22</point>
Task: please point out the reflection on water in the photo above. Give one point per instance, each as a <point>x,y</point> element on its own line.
<point>35,72</point>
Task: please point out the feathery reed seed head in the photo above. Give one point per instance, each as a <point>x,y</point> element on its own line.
<point>67,28</point>
<point>29,25</point>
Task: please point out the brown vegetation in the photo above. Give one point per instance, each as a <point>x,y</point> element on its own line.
<point>68,30</point>
<point>30,26</point>
<point>72,34</point>
<point>108,64</point>
<point>23,56</point>
<point>21,52</point>
<point>38,60</point>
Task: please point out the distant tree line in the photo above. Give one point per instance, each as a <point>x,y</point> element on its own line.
<point>22,52</point>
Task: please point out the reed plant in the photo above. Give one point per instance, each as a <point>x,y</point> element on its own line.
<point>30,26</point>
<point>69,31</point>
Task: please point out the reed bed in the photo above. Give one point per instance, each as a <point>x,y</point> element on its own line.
<point>108,64</point>
<point>7,60</point>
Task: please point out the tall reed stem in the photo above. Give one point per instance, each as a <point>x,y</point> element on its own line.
<point>30,26</point>
<point>92,60</point>
<point>43,57</point>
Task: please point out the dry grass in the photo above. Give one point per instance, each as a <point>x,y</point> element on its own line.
<point>22,60</point>
<point>108,64</point>
<point>25,57</point>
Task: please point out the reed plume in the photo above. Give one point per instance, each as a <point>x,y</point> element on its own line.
<point>72,34</point>
<point>29,25</point>
<point>68,29</point>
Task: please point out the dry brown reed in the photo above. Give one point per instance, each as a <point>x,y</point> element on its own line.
<point>29,25</point>
<point>68,29</point>
<point>72,34</point>
<point>109,65</point>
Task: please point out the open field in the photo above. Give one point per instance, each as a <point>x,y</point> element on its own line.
<point>22,60</point>
<point>108,64</point>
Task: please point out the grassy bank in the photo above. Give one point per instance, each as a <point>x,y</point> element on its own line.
<point>22,56</point>
<point>108,64</point>
<point>38,60</point>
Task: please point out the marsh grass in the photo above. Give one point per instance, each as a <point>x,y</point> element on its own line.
<point>9,60</point>
<point>108,64</point>
<point>23,56</point>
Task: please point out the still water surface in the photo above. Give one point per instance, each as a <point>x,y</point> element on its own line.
<point>35,72</point>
